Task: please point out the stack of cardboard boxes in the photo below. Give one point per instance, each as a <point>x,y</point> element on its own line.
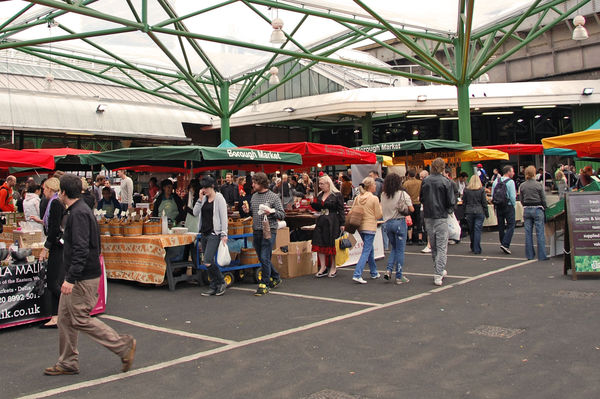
<point>292,259</point>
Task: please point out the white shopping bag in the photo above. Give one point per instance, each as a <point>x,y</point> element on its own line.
<point>453,228</point>
<point>223,257</point>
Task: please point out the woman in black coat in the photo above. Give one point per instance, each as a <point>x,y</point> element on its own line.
<point>53,248</point>
<point>476,210</point>
<point>329,225</point>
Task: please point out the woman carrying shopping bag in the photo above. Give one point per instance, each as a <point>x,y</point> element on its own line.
<point>368,227</point>
<point>330,203</point>
<point>211,209</point>
<point>396,205</point>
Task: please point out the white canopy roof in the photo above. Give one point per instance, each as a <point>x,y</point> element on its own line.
<point>239,22</point>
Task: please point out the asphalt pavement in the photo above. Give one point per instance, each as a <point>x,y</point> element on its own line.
<point>499,327</point>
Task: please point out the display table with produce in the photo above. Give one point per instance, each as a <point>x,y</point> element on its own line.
<point>140,258</point>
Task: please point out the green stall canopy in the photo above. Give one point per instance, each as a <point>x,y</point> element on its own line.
<point>415,146</point>
<point>188,156</point>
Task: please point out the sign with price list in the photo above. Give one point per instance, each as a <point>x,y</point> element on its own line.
<point>583,218</point>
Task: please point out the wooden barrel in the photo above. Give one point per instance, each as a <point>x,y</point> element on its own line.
<point>132,230</point>
<point>235,227</point>
<point>115,229</point>
<point>104,229</point>
<point>247,223</point>
<point>151,229</point>
<point>248,256</point>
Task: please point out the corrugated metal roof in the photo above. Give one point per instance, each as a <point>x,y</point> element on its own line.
<point>44,111</point>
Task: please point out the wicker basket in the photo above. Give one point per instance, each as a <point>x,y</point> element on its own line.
<point>248,256</point>
<point>116,229</point>
<point>151,229</point>
<point>133,229</point>
<point>247,225</point>
<point>235,227</point>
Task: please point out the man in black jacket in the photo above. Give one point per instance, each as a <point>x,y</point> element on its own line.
<point>230,191</point>
<point>81,258</point>
<point>437,197</point>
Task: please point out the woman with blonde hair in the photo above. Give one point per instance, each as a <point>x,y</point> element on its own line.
<point>330,223</point>
<point>368,227</point>
<point>533,199</point>
<point>53,247</point>
<point>476,210</point>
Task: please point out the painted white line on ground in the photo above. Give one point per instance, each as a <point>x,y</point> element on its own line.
<point>225,348</point>
<point>168,330</point>
<point>412,274</point>
<point>320,298</point>
<point>506,257</point>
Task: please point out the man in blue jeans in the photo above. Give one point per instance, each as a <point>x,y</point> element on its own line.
<point>437,197</point>
<point>264,202</point>
<point>506,213</point>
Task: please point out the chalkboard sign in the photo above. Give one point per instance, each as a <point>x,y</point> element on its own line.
<point>583,219</point>
<point>24,296</point>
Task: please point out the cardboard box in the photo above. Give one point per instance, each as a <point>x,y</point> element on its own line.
<point>282,238</point>
<point>298,261</point>
<point>27,238</point>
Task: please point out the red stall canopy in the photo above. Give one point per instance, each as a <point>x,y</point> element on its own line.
<point>60,152</point>
<point>517,149</point>
<point>325,154</point>
<point>25,159</point>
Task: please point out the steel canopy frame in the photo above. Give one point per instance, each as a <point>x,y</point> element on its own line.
<point>467,52</point>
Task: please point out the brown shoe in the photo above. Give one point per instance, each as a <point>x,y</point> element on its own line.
<point>57,370</point>
<point>128,359</point>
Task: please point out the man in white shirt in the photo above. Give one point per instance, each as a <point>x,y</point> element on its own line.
<point>126,195</point>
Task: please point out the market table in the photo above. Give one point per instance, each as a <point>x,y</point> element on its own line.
<point>140,258</point>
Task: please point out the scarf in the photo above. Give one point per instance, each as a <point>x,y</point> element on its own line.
<point>47,213</point>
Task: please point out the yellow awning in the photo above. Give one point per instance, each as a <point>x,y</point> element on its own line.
<point>586,143</point>
<point>481,154</point>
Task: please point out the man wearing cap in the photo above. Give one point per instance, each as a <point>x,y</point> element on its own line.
<point>481,174</point>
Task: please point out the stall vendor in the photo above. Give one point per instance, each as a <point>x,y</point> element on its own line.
<point>108,203</point>
<point>169,203</point>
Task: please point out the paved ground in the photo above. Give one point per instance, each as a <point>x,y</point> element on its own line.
<point>500,327</point>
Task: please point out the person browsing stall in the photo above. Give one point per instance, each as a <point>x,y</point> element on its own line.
<point>369,202</point>
<point>211,210</point>
<point>6,194</point>
<point>476,210</point>
<point>396,204</point>
<point>53,246</point>
<point>330,223</point>
<point>264,202</point>
<point>533,198</point>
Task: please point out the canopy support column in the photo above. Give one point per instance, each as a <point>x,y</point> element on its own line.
<point>367,128</point>
<point>464,121</point>
<point>225,112</point>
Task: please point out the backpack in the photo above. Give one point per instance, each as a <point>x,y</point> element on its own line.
<point>500,195</point>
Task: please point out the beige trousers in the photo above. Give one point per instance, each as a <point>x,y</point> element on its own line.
<point>74,316</point>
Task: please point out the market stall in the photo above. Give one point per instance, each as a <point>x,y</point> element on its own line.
<point>145,258</point>
<point>65,159</point>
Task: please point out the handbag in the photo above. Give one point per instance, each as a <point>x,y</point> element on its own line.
<point>404,210</point>
<point>266,228</point>
<point>409,221</point>
<point>344,242</point>
<point>341,255</point>
<point>354,219</point>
